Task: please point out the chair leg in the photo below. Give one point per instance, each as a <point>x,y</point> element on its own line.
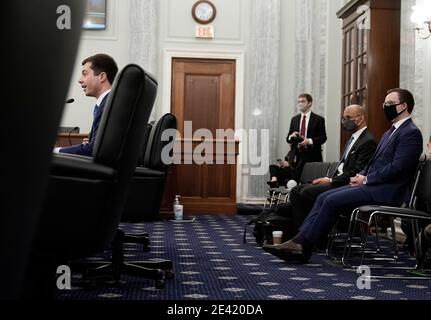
<point>331,241</point>
<point>394,238</point>
<point>364,230</point>
<point>350,235</point>
<point>376,226</point>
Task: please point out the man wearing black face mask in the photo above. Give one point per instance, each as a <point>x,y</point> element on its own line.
<point>384,181</point>
<point>357,152</point>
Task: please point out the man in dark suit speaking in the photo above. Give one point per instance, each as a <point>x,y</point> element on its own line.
<point>98,74</point>
<point>306,135</point>
<point>384,181</point>
<point>357,152</point>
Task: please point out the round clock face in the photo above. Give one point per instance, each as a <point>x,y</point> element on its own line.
<point>204,11</point>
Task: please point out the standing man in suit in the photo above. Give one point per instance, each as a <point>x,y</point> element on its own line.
<point>306,135</point>
<point>358,151</point>
<point>97,76</point>
<point>384,181</point>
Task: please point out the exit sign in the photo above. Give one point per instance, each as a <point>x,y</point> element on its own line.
<point>206,31</point>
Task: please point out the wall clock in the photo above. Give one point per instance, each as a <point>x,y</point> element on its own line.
<point>204,11</point>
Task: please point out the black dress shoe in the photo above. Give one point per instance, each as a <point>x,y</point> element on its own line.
<point>287,254</point>
<point>272,184</point>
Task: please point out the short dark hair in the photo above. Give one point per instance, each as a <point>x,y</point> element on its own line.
<point>307,96</point>
<point>405,96</point>
<point>103,63</point>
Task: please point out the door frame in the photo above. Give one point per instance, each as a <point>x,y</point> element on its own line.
<point>238,56</point>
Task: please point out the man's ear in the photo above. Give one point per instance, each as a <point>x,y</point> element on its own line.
<point>103,77</point>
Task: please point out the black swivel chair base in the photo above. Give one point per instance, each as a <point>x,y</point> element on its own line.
<point>94,273</point>
<point>139,238</point>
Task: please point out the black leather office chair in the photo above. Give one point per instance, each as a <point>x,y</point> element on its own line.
<point>143,204</point>
<point>37,64</point>
<point>148,184</point>
<point>86,196</point>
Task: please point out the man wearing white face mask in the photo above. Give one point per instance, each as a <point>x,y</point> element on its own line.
<point>306,135</point>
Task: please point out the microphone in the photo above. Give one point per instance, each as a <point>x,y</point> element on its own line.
<point>71,100</point>
<point>291,184</point>
<point>70,132</point>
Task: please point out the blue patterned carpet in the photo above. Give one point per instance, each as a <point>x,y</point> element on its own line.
<point>212,263</point>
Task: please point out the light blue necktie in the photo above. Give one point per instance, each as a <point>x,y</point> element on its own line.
<point>346,149</point>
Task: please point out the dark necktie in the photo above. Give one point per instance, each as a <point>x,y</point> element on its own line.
<point>382,145</point>
<point>386,139</point>
<point>96,107</point>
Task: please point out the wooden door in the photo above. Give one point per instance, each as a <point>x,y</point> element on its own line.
<point>203,92</point>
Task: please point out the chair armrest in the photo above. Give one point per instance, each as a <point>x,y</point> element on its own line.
<point>80,167</point>
<point>393,211</point>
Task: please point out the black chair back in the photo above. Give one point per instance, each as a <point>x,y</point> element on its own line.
<point>421,193</point>
<point>120,135</point>
<point>154,155</point>
<point>38,60</point>
<point>313,170</point>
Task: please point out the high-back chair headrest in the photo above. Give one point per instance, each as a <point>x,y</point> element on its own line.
<point>125,116</point>
<point>153,156</point>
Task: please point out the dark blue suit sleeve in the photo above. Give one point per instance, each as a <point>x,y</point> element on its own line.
<point>80,149</point>
<point>87,149</point>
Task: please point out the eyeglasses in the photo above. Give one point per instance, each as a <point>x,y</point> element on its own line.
<point>391,104</point>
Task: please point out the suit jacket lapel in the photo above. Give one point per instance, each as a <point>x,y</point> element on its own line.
<point>397,132</point>
<point>356,144</point>
<point>297,123</point>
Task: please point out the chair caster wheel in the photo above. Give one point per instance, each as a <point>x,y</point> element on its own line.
<point>169,274</point>
<point>160,284</point>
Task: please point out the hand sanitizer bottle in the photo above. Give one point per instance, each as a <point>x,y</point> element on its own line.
<point>178,208</point>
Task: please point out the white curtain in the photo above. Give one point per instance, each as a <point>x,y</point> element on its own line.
<point>143,48</point>
<point>311,50</point>
<point>412,64</point>
<point>262,101</point>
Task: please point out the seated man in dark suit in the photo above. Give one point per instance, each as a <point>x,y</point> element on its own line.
<point>384,181</point>
<point>97,76</point>
<point>358,151</point>
<point>306,136</point>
